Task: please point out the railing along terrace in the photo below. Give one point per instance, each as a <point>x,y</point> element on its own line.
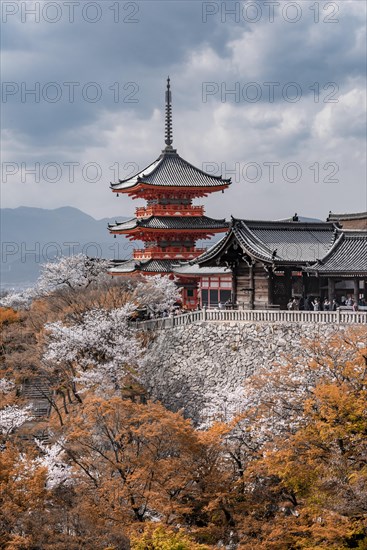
<point>250,315</point>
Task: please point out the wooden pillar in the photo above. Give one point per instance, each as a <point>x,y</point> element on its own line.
<point>288,282</point>
<point>356,290</point>
<point>270,287</point>
<point>304,285</point>
<point>331,289</point>
<point>234,284</point>
<point>252,286</point>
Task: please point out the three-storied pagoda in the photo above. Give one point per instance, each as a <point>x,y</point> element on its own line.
<point>169,225</point>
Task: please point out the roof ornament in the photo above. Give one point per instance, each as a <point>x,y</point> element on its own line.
<point>168,133</point>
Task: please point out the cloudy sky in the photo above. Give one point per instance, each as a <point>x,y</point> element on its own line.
<point>269,93</point>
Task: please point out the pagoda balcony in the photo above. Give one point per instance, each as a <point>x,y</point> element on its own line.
<point>169,210</point>
<point>169,253</point>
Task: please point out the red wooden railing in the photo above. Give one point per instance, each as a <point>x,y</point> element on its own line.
<point>175,252</point>
<point>170,209</point>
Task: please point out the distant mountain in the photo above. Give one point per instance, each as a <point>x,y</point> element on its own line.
<point>32,236</point>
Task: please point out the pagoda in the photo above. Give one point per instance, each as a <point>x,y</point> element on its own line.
<point>169,225</point>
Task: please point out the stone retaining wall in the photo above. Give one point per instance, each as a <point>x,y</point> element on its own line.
<point>197,360</point>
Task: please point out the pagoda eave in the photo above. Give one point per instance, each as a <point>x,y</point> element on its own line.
<point>138,232</point>
<point>142,190</point>
<point>137,271</point>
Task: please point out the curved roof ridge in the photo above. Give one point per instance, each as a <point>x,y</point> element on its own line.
<point>356,232</point>
<point>149,266</point>
<point>156,162</point>
<point>125,222</point>
<point>263,249</point>
<point>288,225</point>
<point>213,249</point>
<point>348,255</point>
<point>350,215</point>
<point>332,249</point>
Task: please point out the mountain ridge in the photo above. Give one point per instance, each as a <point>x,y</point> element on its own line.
<point>31,236</point>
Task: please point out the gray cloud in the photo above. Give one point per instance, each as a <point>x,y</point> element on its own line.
<point>171,38</point>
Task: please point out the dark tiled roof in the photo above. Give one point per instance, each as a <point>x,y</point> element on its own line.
<point>196,270</point>
<point>123,266</point>
<point>128,224</point>
<point>279,242</point>
<point>292,241</point>
<point>164,266</point>
<point>348,256</point>
<point>351,216</point>
<point>211,253</point>
<point>170,222</point>
<point>173,171</point>
<point>148,266</point>
<point>301,219</point>
<point>157,266</point>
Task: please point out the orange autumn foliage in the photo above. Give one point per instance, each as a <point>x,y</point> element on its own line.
<point>8,316</point>
<point>143,475</point>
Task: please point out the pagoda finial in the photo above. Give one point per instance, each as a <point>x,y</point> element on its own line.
<point>168,134</point>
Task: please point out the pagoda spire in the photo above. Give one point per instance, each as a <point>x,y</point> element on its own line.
<point>168,133</point>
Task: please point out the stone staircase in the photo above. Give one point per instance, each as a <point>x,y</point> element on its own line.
<point>36,391</point>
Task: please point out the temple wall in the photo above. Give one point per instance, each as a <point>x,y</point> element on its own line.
<point>260,285</point>
<point>192,361</point>
<point>354,224</point>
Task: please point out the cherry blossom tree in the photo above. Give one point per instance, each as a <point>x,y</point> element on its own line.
<point>6,386</point>
<point>157,294</point>
<point>52,458</point>
<point>12,416</point>
<point>18,300</point>
<point>102,347</point>
<point>71,272</point>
